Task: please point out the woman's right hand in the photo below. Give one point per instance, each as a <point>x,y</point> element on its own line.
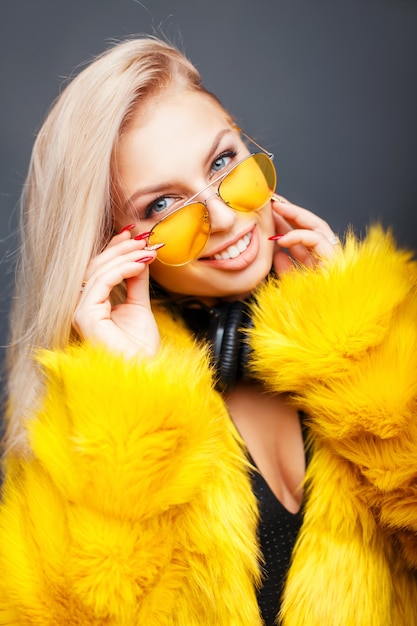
<point>128,328</point>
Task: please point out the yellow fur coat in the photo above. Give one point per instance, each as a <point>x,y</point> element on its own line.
<point>134,506</point>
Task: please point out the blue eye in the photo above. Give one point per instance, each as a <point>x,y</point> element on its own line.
<point>223,160</point>
<point>158,206</point>
<point>220,163</point>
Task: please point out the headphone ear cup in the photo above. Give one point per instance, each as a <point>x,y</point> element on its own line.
<point>228,365</point>
<point>221,326</point>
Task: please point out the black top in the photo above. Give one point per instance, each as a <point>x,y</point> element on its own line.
<point>277,533</point>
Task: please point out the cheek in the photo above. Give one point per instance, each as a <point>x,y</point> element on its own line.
<point>267,217</point>
<point>170,278</point>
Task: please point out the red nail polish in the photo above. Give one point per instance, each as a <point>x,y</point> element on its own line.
<point>127,228</point>
<point>142,236</point>
<point>275,237</point>
<point>145,259</point>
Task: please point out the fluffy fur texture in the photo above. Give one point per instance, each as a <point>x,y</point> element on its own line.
<point>135,506</point>
<point>343,340</point>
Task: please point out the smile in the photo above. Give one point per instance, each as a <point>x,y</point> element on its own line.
<point>232,252</point>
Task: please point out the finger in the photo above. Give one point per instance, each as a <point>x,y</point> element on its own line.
<point>298,217</point>
<point>99,285</point>
<point>282,227</point>
<point>130,232</point>
<point>120,245</point>
<point>137,287</point>
<point>94,303</point>
<point>95,307</point>
<point>303,243</point>
<point>123,235</point>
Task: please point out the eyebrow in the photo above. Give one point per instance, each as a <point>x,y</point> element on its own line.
<point>154,189</point>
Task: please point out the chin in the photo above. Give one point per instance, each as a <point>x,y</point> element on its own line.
<point>241,287</point>
<point>213,284</point>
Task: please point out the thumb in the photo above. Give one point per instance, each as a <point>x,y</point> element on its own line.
<point>137,288</point>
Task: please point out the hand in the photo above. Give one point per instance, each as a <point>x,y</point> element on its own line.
<point>308,237</point>
<point>127,328</point>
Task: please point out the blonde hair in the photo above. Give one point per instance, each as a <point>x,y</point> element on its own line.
<point>66,212</point>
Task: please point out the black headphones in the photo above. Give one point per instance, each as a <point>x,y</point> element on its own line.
<point>223,327</point>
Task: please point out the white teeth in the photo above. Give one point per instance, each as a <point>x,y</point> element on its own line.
<point>233,251</point>
<point>242,245</point>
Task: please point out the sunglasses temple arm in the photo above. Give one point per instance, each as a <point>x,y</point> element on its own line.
<point>258,145</point>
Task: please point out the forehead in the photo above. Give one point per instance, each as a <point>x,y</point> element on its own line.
<point>172,120</point>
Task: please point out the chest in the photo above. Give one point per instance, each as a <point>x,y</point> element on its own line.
<point>271,430</point>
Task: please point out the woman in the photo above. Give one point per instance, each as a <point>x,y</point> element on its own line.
<point>199,424</point>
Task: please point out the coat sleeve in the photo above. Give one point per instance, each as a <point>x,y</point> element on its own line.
<point>111,516</point>
<point>342,339</point>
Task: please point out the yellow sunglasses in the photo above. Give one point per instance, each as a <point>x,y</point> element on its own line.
<point>248,186</point>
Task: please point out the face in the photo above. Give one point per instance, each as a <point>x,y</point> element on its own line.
<point>170,151</point>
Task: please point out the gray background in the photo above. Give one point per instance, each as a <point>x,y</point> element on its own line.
<point>328,85</point>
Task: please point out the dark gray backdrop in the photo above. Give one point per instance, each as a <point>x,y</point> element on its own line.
<point>330,86</point>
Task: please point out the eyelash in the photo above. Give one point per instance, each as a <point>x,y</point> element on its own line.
<point>149,210</point>
<point>227,153</point>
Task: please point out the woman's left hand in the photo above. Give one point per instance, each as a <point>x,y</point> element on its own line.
<point>307,237</point>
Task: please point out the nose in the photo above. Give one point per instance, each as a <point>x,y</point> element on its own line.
<point>222,217</point>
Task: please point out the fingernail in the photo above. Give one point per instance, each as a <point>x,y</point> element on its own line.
<point>278,198</point>
<point>127,228</point>
<point>142,236</point>
<point>275,237</point>
<point>145,259</point>
<point>155,246</point>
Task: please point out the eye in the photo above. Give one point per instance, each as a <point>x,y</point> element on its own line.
<point>223,161</point>
<point>159,205</point>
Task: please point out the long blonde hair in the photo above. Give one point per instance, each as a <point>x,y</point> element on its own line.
<point>66,212</point>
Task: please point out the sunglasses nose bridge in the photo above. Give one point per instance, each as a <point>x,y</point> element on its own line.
<point>214,193</point>
<point>200,195</point>
<point>221,215</point>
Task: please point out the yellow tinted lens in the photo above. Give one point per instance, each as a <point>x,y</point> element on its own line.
<point>184,233</point>
<point>250,185</point>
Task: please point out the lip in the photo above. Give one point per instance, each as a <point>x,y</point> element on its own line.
<point>240,262</point>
